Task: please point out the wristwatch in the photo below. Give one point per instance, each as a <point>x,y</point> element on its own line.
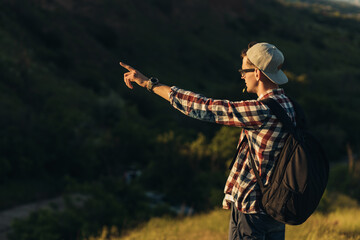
<point>151,83</point>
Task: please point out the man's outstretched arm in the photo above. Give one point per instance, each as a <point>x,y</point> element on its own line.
<point>250,114</point>
<point>137,77</point>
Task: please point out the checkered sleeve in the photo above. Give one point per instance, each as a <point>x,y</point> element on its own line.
<point>247,114</point>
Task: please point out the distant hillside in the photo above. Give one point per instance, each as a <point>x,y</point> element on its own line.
<point>65,110</point>
<point>354,2</point>
<point>346,8</point>
<point>351,2</point>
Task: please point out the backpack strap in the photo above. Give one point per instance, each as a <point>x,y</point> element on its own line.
<point>251,162</point>
<point>256,172</point>
<point>237,152</point>
<point>288,126</point>
<point>280,114</point>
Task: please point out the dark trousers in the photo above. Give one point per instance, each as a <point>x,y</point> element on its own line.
<point>254,226</point>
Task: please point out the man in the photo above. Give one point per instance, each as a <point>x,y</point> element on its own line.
<point>262,136</point>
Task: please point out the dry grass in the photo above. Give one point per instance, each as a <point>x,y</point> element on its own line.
<point>338,225</point>
<point>208,226</point>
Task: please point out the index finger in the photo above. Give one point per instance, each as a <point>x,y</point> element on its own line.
<point>128,67</point>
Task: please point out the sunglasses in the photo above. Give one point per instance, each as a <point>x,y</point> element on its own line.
<point>244,71</point>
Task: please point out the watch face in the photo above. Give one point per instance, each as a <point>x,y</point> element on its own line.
<point>154,80</point>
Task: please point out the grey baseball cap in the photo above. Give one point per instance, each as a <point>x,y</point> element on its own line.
<point>268,59</point>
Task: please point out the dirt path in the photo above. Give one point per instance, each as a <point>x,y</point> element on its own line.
<point>23,211</point>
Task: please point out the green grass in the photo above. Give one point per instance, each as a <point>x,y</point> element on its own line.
<point>337,225</point>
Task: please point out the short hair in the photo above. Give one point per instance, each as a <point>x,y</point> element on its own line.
<point>244,51</point>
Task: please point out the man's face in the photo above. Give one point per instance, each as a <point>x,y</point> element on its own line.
<point>249,77</point>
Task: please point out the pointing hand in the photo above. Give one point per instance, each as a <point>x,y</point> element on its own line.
<point>133,76</point>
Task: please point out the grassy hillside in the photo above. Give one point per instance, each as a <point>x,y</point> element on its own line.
<point>61,58</point>
<point>60,66</point>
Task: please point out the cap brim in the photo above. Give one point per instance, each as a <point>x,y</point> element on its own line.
<point>279,77</point>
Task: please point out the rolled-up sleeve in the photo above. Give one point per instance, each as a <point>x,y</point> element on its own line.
<point>247,114</point>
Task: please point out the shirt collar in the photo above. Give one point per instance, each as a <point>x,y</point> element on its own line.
<point>271,92</point>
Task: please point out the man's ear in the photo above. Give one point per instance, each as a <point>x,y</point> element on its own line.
<point>257,74</point>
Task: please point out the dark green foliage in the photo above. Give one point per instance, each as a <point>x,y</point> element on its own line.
<point>345,180</point>
<point>109,203</point>
<point>343,187</point>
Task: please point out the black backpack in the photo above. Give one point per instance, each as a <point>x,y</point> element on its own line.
<point>300,175</point>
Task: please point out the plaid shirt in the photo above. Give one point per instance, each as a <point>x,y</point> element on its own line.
<point>258,125</point>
